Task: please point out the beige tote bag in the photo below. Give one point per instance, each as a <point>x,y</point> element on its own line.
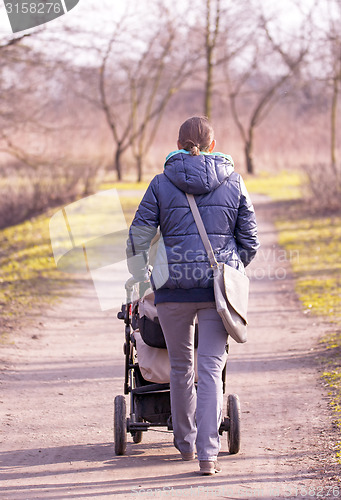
<point>231,287</point>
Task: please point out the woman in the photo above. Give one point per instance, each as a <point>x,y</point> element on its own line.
<point>186,290</point>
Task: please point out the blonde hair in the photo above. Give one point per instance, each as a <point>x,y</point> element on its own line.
<point>196,134</point>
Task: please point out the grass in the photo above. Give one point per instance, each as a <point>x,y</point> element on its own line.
<point>28,275</point>
<point>332,377</point>
<point>29,278</point>
<point>125,186</point>
<point>286,186</point>
<point>316,243</point>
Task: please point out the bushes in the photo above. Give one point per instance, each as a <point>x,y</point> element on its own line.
<point>323,187</point>
<point>25,191</point>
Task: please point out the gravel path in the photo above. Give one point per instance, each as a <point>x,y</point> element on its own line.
<point>59,378</point>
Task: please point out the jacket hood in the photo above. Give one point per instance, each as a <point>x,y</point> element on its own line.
<point>198,174</point>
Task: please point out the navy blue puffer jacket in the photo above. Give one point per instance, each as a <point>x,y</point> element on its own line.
<point>182,271</point>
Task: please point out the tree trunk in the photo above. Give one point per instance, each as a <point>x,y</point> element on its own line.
<point>118,163</point>
<point>208,86</point>
<point>248,149</point>
<point>333,122</point>
<point>210,45</point>
<point>333,125</point>
<point>139,165</point>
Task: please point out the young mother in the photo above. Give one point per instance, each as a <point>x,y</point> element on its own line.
<point>187,293</point>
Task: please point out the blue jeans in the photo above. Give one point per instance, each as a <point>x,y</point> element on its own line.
<point>196,415</point>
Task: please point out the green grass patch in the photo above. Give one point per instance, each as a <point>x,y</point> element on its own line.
<point>332,377</point>
<point>28,274</point>
<point>124,186</point>
<point>286,185</point>
<point>315,243</point>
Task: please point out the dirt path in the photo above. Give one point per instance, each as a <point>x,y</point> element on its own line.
<point>60,377</point>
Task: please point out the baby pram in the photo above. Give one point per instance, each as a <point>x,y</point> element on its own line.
<point>150,393</point>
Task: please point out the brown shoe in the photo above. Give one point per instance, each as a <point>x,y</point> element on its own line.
<point>186,455</point>
<point>209,467</point>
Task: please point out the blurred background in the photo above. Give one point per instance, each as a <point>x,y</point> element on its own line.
<point>98,95</point>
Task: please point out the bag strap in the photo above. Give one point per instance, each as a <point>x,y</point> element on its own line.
<point>201,228</point>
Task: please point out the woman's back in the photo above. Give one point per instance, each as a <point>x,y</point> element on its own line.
<point>226,211</point>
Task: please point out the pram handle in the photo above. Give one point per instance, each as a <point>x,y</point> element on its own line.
<point>129,285</point>
<point>144,283</point>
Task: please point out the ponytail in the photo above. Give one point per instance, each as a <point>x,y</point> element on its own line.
<point>194,149</point>
<point>196,135</point>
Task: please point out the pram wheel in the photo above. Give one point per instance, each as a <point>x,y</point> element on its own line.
<point>120,425</point>
<point>137,437</point>
<point>233,413</point>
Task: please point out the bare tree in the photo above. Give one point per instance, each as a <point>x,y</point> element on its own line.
<point>145,80</point>
<point>212,30</point>
<point>40,129</point>
<point>259,83</point>
<point>162,75</point>
<point>222,40</point>
<point>324,175</point>
<point>326,62</point>
<point>334,46</point>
